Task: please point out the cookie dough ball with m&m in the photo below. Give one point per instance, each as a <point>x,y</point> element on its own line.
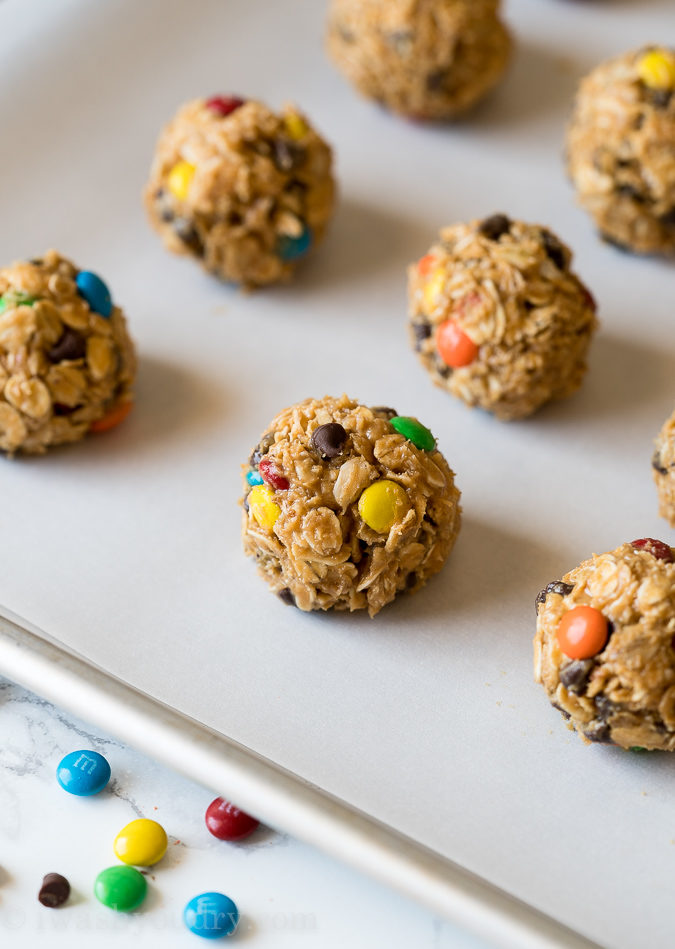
<point>605,648</point>
<point>67,363</point>
<point>244,190</point>
<point>498,318</point>
<point>427,59</point>
<point>621,149</point>
<point>346,506</point>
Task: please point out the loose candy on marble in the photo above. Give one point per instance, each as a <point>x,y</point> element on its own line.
<point>292,248</point>
<point>254,477</point>
<point>329,439</point>
<point>83,773</point>
<point>224,105</point>
<point>114,417</point>
<point>121,888</point>
<point>179,179</point>
<point>382,504</point>
<point>211,915</point>
<point>227,822</point>
<point>263,507</point>
<point>582,632</point>
<point>414,431</point>
<point>54,891</point>
<point>455,348</point>
<point>657,70</point>
<point>141,842</point>
<point>92,289</point>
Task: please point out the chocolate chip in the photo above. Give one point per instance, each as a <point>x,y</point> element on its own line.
<point>661,97</point>
<point>288,155</point>
<point>574,676</point>
<point>556,586</point>
<point>657,465</point>
<point>421,331</point>
<point>383,411</point>
<point>54,891</point>
<point>598,732</point>
<point>164,208</point>
<point>630,191</point>
<point>286,596</point>
<point>246,504</point>
<point>329,439</point>
<point>604,706</point>
<point>668,219</point>
<point>189,236</point>
<point>493,227</point>
<point>411,580</point>
<point>60,409</point>
<point>554,249</point>
<point>36,261</point>
<point>72,345</point>
<point>566,715</point>
<point>261,449</point>
<point>436,79</point>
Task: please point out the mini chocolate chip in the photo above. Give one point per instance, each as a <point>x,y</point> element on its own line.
<point>443,371</point>
<point>554,249</point>
<point>261,449</point>
<point>71,345</point>
<point>246,504</point>
<point>630,191</point>
<point>656,464</point>
<point>36,261</point>
<point>668,219</point>
<point>604,706</point>
<point>54,891</point>
<point>411,580</point>
<point>598,732</point>
<point>566,715</point>
<point>555,586</point>
<point>661,97</point>
<point>421,331</point>
<point>60,409</point>
<point>574,676</point>
<point>384,411</point>
<point>436,79</point>
<point>288,155</point>
<point>329,439</point>
<point>286,597</point>
<point>493,227</point>
<point>164,207</point>
<point>189,236</point>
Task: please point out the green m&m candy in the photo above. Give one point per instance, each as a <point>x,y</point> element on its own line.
<point>414,431</point>
<point>121,888</point>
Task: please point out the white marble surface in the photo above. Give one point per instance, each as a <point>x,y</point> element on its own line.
<point>289,895</point>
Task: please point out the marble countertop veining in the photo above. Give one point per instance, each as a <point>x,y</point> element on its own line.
<point>288,894</point>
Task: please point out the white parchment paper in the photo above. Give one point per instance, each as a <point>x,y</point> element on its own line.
<point>126,547</point>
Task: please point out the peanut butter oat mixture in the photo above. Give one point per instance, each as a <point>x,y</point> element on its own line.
<point>663,469</point>
<point>245,191</point>
<point>621,149</point>
<point>498,318</point>
<point>428,59</point>
<point>346,505</point>
<point>604,648</point>
<point>67,363</point>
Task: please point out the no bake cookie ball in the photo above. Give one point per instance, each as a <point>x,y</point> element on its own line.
<point>621,149</point>
<point>67,363</point>
<point>663,469</point>
<point>498,318</point>
<point>427,59</point>
<point>605,649</point>
<point>244,190</point>
<point>346,505</point>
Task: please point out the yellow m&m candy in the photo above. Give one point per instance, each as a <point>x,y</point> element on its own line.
<point>179,179</point>
<point>141,843</point>
<point>382,504</point>
<point>433,289</point>
<point>295,126</point>
<point>657,69</point>
<point>263,507</point>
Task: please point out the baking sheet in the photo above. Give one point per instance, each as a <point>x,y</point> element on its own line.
<point>126,549</point>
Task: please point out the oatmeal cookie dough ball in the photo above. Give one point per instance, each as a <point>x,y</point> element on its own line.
<point>428,59</point>
<point>498,318</point>
<point>663,469</point>
<point>67,363</point>
<point>346,506</point>
<point>621,149</point>
<point>245,191</point>
<point>604,648</point>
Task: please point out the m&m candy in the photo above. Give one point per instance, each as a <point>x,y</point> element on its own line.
<point>92,289</point>
<point>292,248</point>
<point>179,179</point>
<point>582,632</point>
<point>224,105</point>
<point>454,347</point>
<point>83,773</point>
<point>141,842</point>
<point>211,915</point>
<point>253,478</point>
<point>382,504</point>
<point>414,431</point>
<point>121,888</point>
<point>657,69</point>
<point>227,822</point>
<point>263,507</point>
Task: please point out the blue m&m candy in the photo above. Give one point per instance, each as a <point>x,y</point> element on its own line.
<point>211,915</point>
<point>292,248</point>
<point>92,289</point>
<point>83,773</point>
<point>254,477</point>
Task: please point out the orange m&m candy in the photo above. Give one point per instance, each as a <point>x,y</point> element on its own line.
<point>454,347</point>
<point>112,418</point>
<point>582,632</point>
<point>425,264</point>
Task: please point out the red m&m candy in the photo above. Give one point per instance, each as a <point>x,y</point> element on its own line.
<point>227,822</point>
<point>271,474</point>
<point>223,105</point>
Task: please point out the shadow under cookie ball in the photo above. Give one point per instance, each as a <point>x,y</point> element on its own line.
<point>621,149</point>
<point>604,648</point>
<point>345,506</point>
<point>245,191</point>
<point>429,59</point>
<point>67,363</point>
<point>498,318</point>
